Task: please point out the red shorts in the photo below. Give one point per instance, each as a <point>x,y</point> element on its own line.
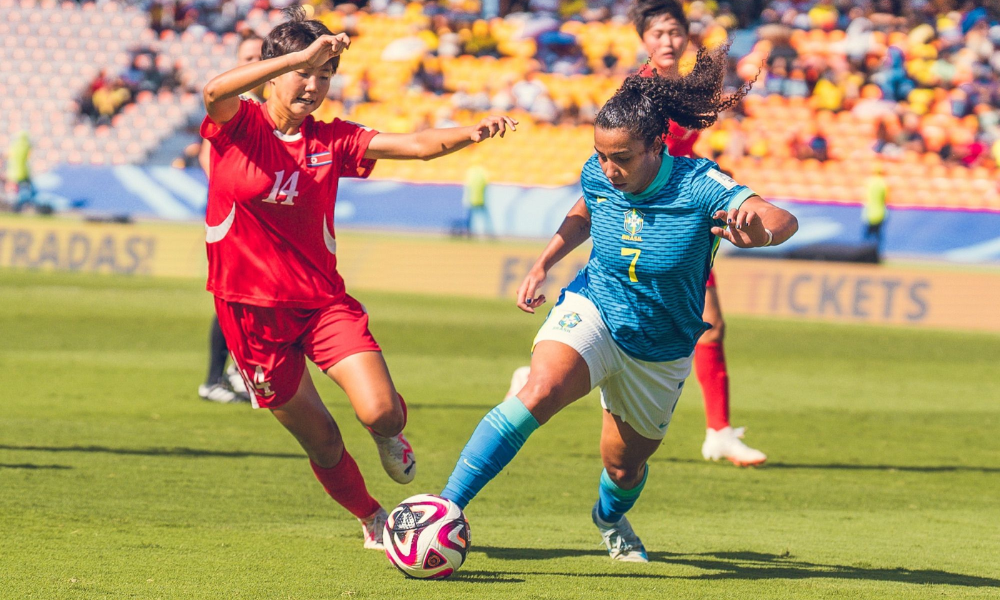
<point>711,280</point>
<point>269,345</point>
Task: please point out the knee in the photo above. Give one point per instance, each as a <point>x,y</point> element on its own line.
<point>325,452</point>
<point>387,422</point>
<point>543,396</point>
<point>716,334</point>
<point>625,476</point>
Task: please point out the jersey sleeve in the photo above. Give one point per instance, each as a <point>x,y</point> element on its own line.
<point>715,191</point>
<point>593,183</point>
<point>221,136</point>
<point>350,142</point>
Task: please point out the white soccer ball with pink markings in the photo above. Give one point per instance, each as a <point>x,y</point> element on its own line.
<point>426,537</point>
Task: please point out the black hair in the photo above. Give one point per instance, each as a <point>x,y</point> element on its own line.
<point>645,105</point>
<point>295,34</point>
<point>644,12</point>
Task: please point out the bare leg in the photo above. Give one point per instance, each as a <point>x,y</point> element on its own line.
<point>365,378</point>
<point>559,376</point>
<point>307,418</point>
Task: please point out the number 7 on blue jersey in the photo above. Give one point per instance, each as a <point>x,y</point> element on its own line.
<point>634,253</point>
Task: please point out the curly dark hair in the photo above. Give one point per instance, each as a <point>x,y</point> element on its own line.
<point>644,12</point>
<point>645,105</point>
<point>296,33</point>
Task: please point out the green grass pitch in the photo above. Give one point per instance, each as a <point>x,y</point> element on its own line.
<point>117,482</point>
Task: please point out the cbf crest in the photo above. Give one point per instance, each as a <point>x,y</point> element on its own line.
<point>569,321</point>
<point>634,220</point>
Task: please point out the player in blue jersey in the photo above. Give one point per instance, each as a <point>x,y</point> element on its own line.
<point>629,322</point>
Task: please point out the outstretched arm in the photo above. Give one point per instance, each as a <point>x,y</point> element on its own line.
<point>756,223</point>
<point>222,94</point>
<point>434,143</point>
<point>575,230</point>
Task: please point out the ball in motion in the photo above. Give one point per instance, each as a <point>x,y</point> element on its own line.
<point>426,537</point>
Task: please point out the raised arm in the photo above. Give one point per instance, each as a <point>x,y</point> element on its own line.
<point>756,223</point>
<point>575,230</point>
<point>222,94</point>
<point>433,143</point>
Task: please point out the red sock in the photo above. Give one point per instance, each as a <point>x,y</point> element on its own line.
<point>710,365</point>
<point>345,484</point>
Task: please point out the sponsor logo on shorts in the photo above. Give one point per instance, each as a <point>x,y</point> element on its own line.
<point>568,322</point>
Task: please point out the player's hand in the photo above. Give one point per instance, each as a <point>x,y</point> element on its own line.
<point>533,281</point>
<point>745,230</point>
<point>491,126</point>
<point>325,48</point>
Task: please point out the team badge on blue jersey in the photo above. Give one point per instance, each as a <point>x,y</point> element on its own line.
<point>569,321</point>
<point>633,225</point>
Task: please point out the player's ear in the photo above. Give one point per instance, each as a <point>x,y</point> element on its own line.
<point>657,146</point>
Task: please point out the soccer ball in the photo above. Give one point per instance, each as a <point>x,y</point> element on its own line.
<point>426,537</point>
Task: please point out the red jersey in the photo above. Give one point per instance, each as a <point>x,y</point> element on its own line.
<point>269,223</point>
<point>680,141</point>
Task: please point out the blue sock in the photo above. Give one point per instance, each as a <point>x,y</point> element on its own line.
<point>613,502</point>
<point>493,444</point>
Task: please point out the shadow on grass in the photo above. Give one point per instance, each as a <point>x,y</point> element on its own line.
<point>744,566</point>
<point>177,451</point>
<point>30,466</point>
<point>484,408</point>
<point>483,577</point>
<point>853,467</point>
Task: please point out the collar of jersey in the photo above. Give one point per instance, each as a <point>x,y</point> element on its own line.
<point>666,167</point>
<point>294,137</point>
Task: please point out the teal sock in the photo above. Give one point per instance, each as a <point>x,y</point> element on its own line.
<point>612,501</point>
<point>493,444</point>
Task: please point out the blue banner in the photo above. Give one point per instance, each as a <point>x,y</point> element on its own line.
<point>512,211</point>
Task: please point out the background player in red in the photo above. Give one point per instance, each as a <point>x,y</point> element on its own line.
<point>226,385</point>
<point>272,252</point>
<point>664,30</point>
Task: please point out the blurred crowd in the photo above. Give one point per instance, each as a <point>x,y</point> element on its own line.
<point>111,90</point>
<point>927,71</point>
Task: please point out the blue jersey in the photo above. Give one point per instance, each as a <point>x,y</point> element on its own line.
<point>653,252</point>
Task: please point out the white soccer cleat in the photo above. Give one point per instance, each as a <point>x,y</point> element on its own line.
<point>622,543</point>
<point>397,457</point>
<point>218,392</point>
<point>372,528</point>
<point>517,381</point>
<point>236,382</point>
<point>727,443</point>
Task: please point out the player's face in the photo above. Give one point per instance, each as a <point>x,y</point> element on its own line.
<point>249,52</point>
<point>665,41</point>
<point>302,91</point>
<point>629,164</point>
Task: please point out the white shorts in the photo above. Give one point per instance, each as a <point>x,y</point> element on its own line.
<point>642,394</point>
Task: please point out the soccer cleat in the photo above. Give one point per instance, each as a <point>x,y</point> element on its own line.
<point>726,443</point>
<point>236,382</point>
<point>372,528</point>
<point>622,543</point>
<point>397,457</point>
<point>218,392</point>
<point>518,381</point>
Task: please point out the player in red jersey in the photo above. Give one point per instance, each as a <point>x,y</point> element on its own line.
<point>226,385</point>
<point>272,252</point>
<point>664,30</point>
